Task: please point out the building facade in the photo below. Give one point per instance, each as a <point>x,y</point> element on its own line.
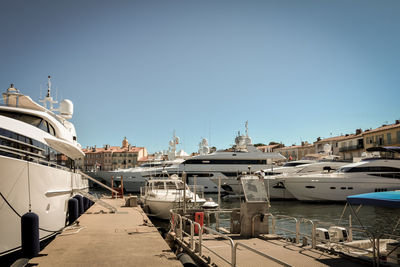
<point>386,135</point>
<point>296,152</point>
<point>108,158</point>
<point>351,145</point>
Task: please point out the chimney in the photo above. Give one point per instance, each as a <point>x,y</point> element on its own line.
<point>302,143</point>
<point>318,139</point>
<point>397,122</point>
<point>358,131</point>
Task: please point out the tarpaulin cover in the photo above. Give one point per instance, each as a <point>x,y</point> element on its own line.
<point>386,199</point>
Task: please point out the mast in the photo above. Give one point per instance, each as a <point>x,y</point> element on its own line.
<point>48,98</point>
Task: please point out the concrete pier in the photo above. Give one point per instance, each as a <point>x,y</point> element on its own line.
<point>124,238</point>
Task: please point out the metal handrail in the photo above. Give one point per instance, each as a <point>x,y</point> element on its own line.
<point>259,253</point>
<point>312,236</point>
<point>297,232</point>
<point>232,243</point>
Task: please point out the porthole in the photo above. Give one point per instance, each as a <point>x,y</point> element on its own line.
<point>343,188</point>
<point>310,186</point>
<point>332,187</point>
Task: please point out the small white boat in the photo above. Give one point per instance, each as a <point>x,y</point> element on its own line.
<point>161,195</point>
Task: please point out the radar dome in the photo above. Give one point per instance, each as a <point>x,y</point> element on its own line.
<point>66,108</point>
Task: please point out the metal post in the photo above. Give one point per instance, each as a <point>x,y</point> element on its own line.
<point>184,192</point>
<point>313,239</point>
<point>191,235</point>
<point>219,192</point>
<point>122,186</point>
<point>194,189</point>
<point>112,186</point>
<point>350,229</point>
<point>297,232</point>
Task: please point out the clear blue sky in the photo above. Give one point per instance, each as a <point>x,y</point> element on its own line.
<point>296,70</point>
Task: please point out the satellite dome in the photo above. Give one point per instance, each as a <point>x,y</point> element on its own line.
<point>66,109</point>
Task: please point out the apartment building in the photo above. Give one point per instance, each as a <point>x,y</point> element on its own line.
<point>110,158</point>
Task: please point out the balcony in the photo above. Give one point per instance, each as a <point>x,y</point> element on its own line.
<point>351,148</point>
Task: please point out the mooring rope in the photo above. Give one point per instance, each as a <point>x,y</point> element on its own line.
<point>8,203</point>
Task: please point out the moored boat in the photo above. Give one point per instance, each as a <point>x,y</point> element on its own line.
<point>37,153</point>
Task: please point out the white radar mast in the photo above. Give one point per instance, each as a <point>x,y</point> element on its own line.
<point>48,98</point>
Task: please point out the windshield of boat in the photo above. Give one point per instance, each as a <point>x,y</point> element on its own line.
<point>171,185</point>
<point>158,185</point>
<point>378,169</point>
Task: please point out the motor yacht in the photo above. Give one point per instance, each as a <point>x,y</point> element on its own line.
<point>37,160</point>
<point>159,196</point>
<point>207,168</point>
<point>368,175</point>
<point>275,178</point>
<point>226,166</point>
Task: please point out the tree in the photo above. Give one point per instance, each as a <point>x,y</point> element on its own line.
<point>259,144</point>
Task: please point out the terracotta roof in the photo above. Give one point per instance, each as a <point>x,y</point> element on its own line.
<point>351,136</point>
<point>383,128</point>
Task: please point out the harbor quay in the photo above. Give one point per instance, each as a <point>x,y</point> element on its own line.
<point>125,237</point>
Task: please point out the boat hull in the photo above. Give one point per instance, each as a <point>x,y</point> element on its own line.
<point>44,190</point>
<point>337,188</point>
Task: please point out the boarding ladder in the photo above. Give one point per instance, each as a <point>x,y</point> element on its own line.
<point>97,200</point>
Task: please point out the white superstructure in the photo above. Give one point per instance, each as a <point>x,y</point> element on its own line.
<point>37,152</point>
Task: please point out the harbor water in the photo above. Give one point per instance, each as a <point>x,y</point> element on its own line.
<point>374,219</point>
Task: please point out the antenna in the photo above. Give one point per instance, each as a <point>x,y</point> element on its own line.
<point>48,98</point>
<point>247,128</point>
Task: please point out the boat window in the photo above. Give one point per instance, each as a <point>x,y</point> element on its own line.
<point>344,169</point>
<point>292,164</point>
<point>374,169</point>
<point>170,185</point>
<point>30,119</point>
<point>43,126</point>
<point>158,185</point>
<point>226,161</point>
<point>53,132</point>
<point>25,148</point>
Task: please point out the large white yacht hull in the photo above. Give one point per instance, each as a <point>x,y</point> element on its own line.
<point>43,189</point>
<point>276,189</point>
<point>133,181</point>
<point>337,188</point>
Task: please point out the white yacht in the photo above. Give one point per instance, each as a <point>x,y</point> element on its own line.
<point>228,165</point>
<point>207,167</point>
<point>37,152</point>
<point>135,178</point>
<point>369,175</point>
<point>275,178</point>
<point>162,195</point>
